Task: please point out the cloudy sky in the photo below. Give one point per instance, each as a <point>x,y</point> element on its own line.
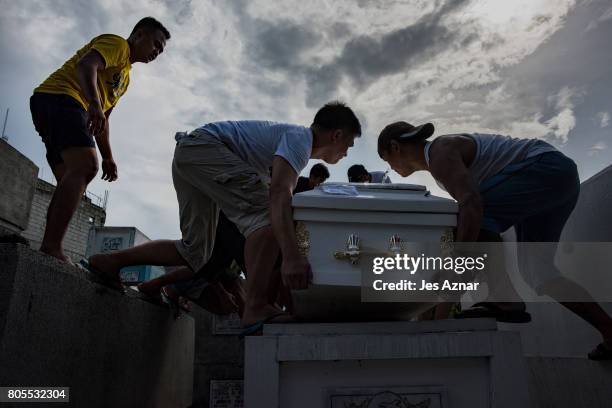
<point>529,68</point>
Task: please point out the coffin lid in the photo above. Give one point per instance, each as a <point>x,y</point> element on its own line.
<point>377,197</point>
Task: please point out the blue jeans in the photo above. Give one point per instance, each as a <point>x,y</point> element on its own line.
<point>536,197</point>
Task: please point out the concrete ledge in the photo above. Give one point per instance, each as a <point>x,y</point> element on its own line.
<point>389,346</point>
<point>59,328</point>
<point>429,326</point>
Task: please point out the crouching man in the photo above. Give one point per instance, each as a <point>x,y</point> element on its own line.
<point>502,182</point>
<point>226,166</point>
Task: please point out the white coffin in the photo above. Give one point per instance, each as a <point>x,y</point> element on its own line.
<point>379,212</point>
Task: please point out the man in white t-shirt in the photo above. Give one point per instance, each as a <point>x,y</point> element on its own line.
<point>227,166</point>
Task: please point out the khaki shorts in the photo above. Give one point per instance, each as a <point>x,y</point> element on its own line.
<point>207,178</point>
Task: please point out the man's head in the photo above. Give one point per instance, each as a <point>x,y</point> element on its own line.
<point>357,173</point>
<point>147,40</point>
<point>318,175</point>
<point>401,145</point>
<point>335,128</point>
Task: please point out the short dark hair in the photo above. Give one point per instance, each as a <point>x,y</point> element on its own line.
<point>320,171</point>
<point>356,172</point>
<point>336,115</point>
<point>150,23</point>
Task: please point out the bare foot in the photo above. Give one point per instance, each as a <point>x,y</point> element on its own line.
<point>185,304</point>
<point>181,301</point>
<point>150,289</point>
<point>253,315</point>
<point>236,288</point>
<point>286,299</point>
<point>58,254</point>
<point>601,352</point>
<point>216,299</point>
<point>106,265</point>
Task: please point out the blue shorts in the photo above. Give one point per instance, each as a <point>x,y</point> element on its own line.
<point>536,197</point>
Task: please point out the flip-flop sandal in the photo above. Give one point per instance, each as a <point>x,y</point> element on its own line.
<point>257,328</point>
<point>491,310</point>
<point>101,277</point>
<point>174,304</point>
<point>601,353</point>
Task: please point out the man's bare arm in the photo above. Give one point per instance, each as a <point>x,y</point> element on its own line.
<point>87,75</point>
<point>447,166</point>
<point>103,140</point>
<point>295,269</point>
<point>109,168</point>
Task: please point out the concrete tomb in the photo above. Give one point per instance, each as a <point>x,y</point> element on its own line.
<point>397,364</point>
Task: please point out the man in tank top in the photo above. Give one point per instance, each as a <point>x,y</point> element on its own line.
<point>502,182</point>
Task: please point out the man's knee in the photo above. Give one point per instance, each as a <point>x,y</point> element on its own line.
<point>90,171</point>
<point>81,162</point>
<point>58,171</point>
<point>86,172</point>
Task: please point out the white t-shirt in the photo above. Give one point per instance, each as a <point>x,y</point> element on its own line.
<point>380,177</point>
<point>257,142</point>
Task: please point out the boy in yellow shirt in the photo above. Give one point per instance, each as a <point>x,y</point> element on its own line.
<point>71,108</point>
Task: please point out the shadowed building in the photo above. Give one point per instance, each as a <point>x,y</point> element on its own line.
<point>90,213</point>
<point>17,184</point>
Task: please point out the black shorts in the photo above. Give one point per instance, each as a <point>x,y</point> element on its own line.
<point>61,122</point>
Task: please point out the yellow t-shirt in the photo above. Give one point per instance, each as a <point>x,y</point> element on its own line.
<point>113,80</point>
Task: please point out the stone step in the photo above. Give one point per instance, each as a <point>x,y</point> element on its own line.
<point>430,326</point>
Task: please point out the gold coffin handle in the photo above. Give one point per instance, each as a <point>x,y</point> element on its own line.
<point>352,252</point>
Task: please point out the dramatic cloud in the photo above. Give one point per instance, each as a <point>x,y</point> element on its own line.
<point>366,59</point>
<point>604,119</point>
<point>561,124</point>
<point>597,148</point>
<point>603,17</point>
<point>530,68</point>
